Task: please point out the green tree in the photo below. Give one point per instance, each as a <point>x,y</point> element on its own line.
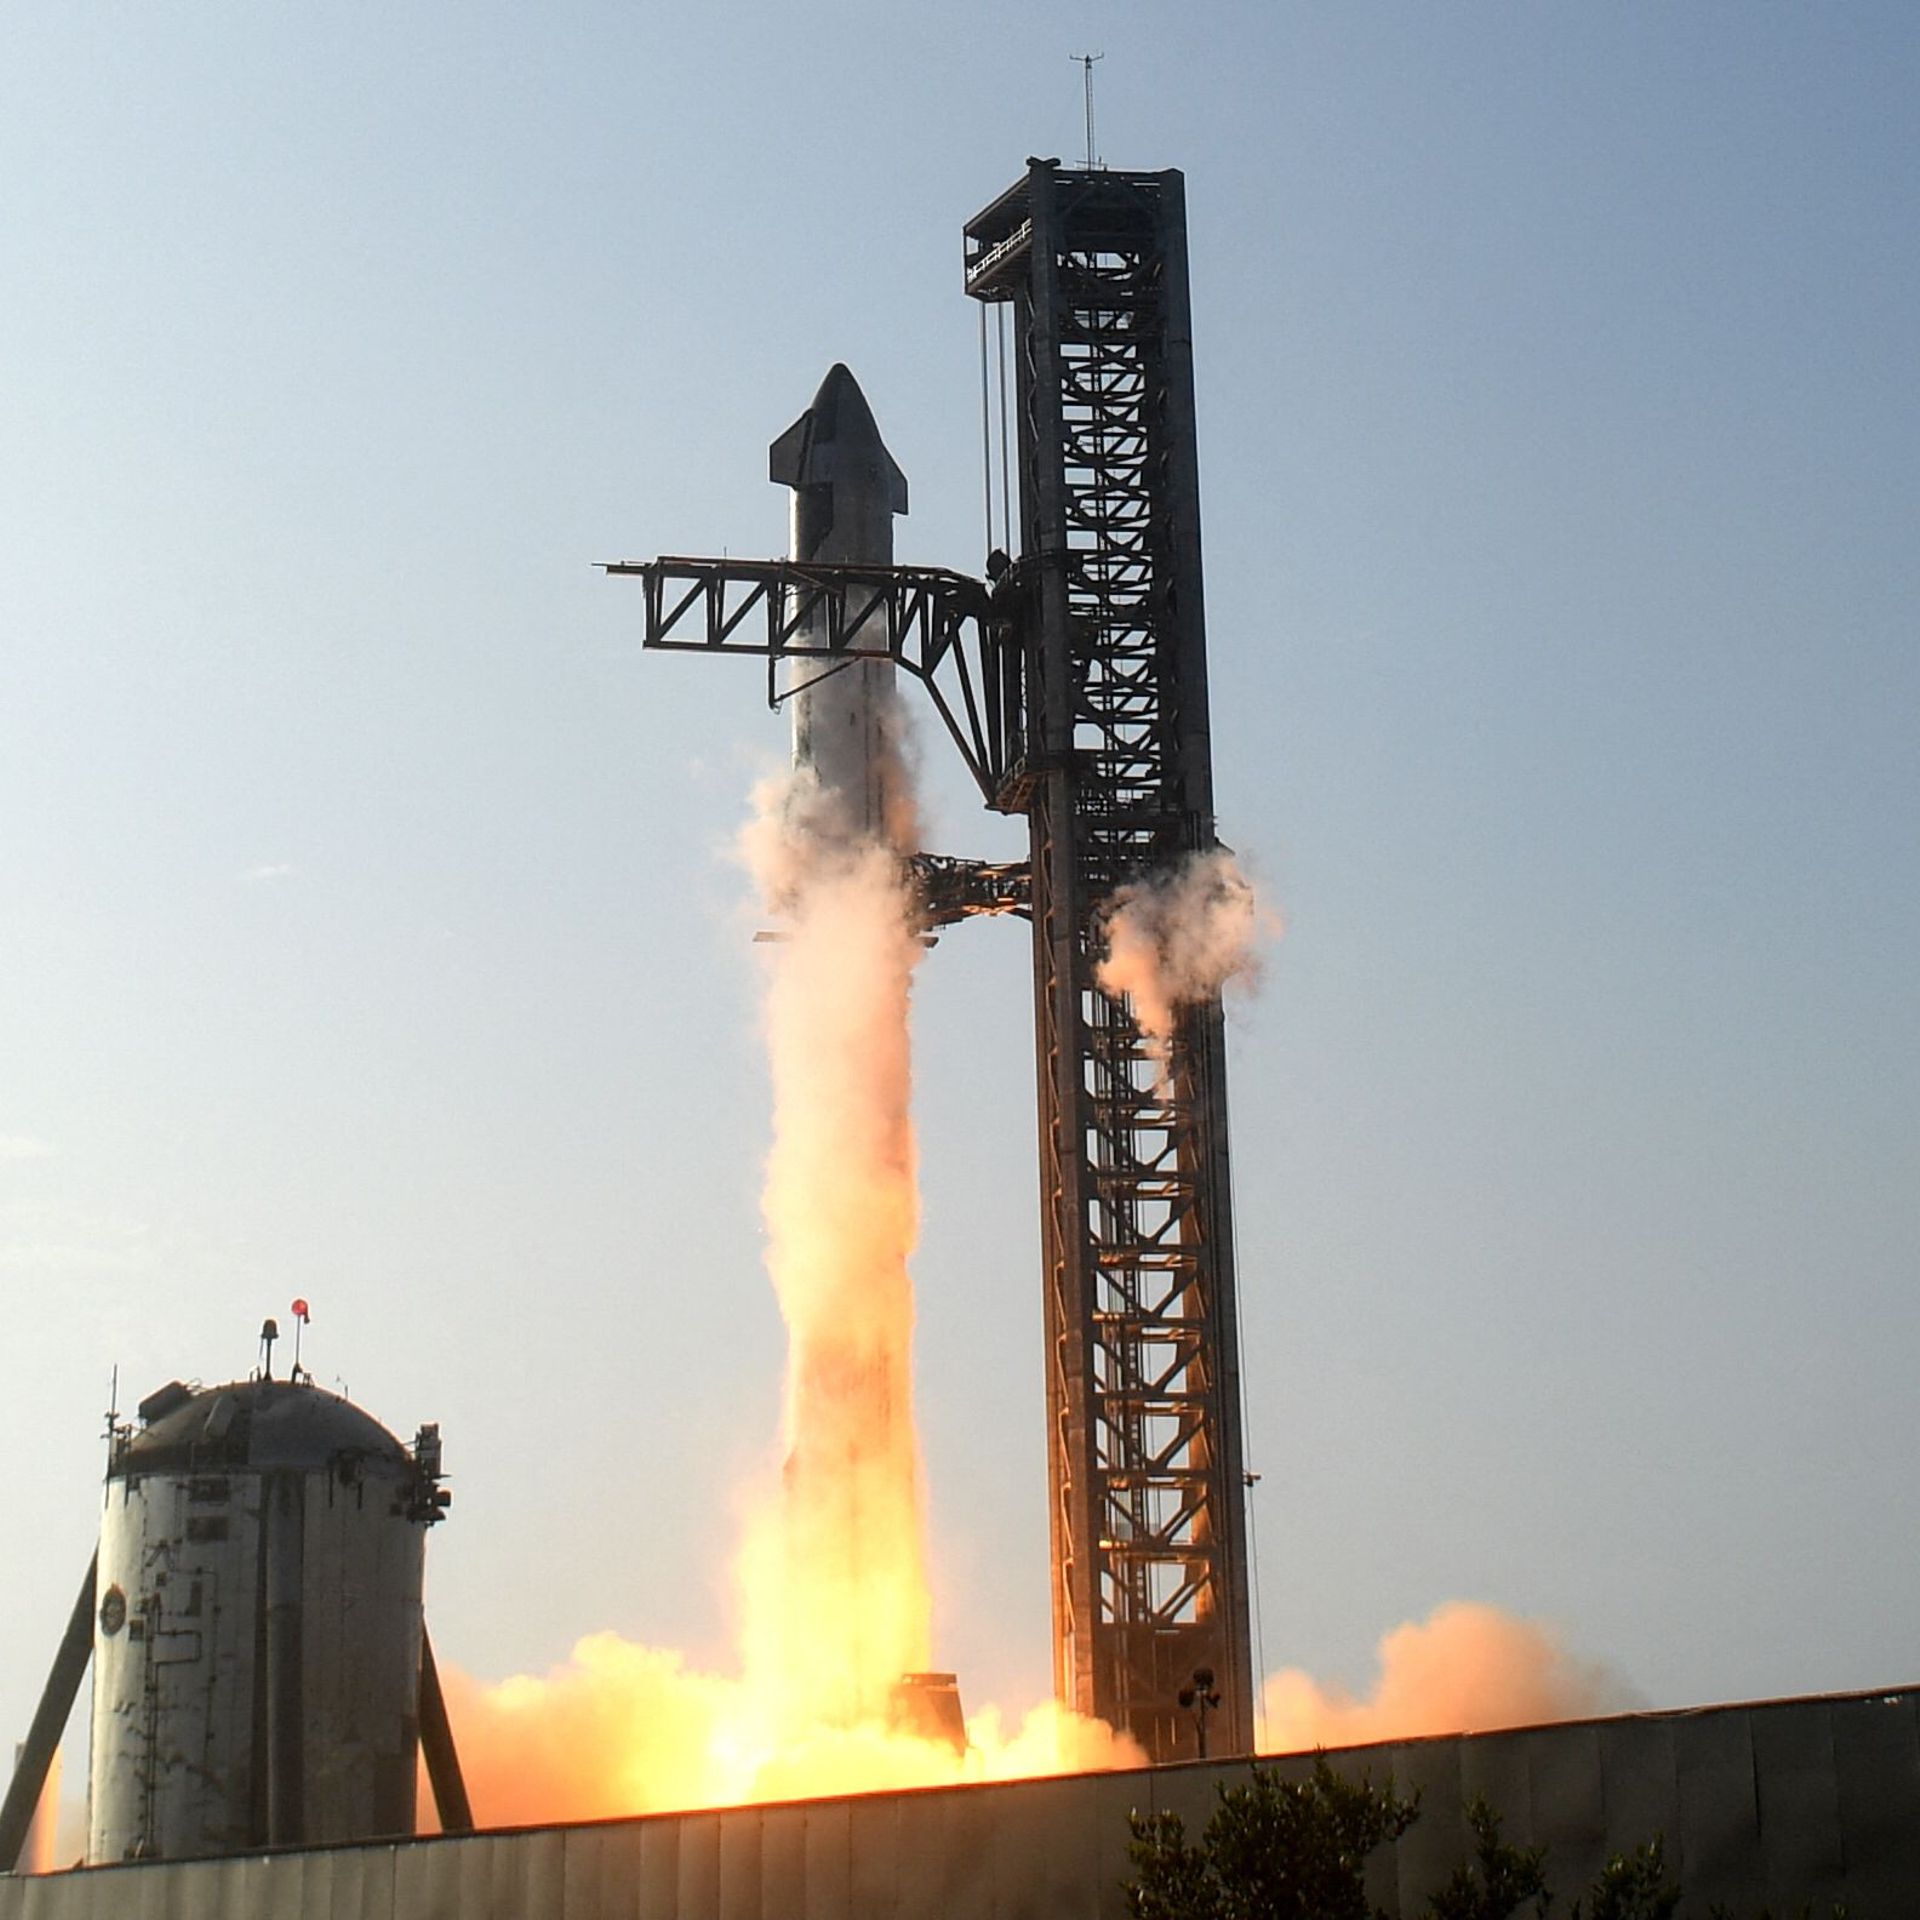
<point>1633,1886</point>
<point>1273,1850</point>
<point>1500,1880</point>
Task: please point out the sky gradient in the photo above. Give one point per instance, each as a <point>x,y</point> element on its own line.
<point>371,930</point>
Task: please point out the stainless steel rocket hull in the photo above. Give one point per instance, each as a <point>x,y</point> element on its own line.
<point>847,729</point>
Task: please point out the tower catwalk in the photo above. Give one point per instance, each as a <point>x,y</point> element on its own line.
<point>1146,1477</point>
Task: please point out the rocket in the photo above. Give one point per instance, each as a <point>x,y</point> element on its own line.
<point>852,1606</point>
<point>846,717</point>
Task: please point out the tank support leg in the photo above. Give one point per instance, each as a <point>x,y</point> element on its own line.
<point>450,1800</point>
<point>49,1722</point>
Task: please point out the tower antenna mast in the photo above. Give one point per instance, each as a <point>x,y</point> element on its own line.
<point>1085,63</point>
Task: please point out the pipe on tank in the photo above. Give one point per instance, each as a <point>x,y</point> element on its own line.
<point>285,1517</point>
<point>49,1722</point>
<point>449,1785</point>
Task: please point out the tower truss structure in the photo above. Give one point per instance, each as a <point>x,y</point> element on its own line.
<point>1146,1474</point>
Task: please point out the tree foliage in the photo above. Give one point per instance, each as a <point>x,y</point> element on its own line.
<point>1297,1850</point>
<point>1632,1886</point>
<point>1274,1850</point>
<point>1498,1881</point>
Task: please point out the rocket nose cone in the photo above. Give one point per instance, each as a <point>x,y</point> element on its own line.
<point>837,433</point>
<point>840,411</point>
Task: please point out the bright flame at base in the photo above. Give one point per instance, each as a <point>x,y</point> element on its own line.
<point>832,1574</point>
<point>623,1729</point>
<point>834,1601</point>
<point>629,1729</point>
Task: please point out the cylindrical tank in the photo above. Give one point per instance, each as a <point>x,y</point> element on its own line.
<point>257,1638</point>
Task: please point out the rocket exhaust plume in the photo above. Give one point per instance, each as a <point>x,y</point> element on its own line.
<point>834,1601</point>
<point>835,1606</point>
<point>835,1583</point>
<point>834,1574</point>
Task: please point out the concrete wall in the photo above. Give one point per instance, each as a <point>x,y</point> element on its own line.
<point>1798,1800</point>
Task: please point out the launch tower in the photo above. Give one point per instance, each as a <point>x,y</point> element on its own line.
<point>1116,779</point>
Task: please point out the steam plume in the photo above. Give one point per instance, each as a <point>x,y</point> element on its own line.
<point>1179,937</point>
<point>1464,1669</point>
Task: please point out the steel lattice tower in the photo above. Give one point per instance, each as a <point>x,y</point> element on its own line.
<point>1115,771</point>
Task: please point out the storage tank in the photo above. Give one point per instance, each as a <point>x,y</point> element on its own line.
<point>257,1629</point>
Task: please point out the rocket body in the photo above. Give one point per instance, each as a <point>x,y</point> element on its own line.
<point>846,720</point>
<point>841,1605</point>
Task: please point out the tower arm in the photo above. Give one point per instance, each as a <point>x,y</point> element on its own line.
<point>944,628</point>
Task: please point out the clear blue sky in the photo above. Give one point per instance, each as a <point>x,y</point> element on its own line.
<point>368,930</point>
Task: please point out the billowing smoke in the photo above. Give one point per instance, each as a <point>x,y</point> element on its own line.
<point>620,1728</point>
<point>1464,1669</point>
<point>833,1573</point>
<point>834,1600</point>
<point>623,1728</point>
<point>1180,936</point>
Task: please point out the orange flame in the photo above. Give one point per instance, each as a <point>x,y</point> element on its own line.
<point>832,1573</point>
<point>834,1599</point>
<point>622,1728</point>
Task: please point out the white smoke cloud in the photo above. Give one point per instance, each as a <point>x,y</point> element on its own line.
<point>1180,937</point>
<point>831,1577</point>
